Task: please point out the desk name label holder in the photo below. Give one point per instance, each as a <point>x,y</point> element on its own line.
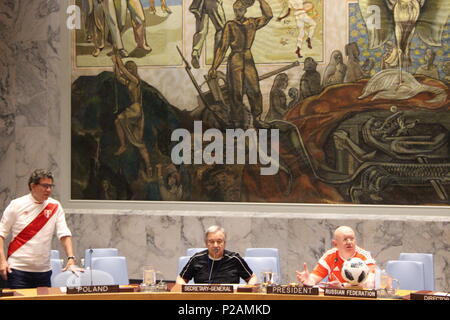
<point>210,288</point>
<point>6,294</point>
<point>352,293</point>
<point>93,289</point>
<point>429,296</point>
<point>296,290</point>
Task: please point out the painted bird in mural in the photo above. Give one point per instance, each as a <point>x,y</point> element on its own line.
<point>402,19</point>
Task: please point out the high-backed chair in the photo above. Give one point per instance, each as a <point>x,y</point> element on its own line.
<point>265,252</point>
<point>115,266</point>
<point>192,251</point>
<point>410,274</point>
<point>428,263</point>
<point>90,277</point>
<point>54,254</point>
<point>98,252</point>
<point>56,265</point>
<point>60,280</point>
<point>181,263</point>
<point>260,265</point>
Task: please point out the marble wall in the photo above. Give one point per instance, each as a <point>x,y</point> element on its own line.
<point>159,239</point>
<point>34,81</point>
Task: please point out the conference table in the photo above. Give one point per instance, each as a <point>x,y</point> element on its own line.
<point>132,293</point>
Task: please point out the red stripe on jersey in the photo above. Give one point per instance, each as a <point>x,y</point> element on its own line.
<point>32,228</point>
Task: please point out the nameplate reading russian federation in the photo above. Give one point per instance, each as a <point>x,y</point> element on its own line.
<point>213,288</point>
<point>93,289</point>
<point>352,293</point>
<point>286,289</point>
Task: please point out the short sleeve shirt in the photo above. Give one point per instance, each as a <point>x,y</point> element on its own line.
<point>203,269</point>
<point>330,264</point>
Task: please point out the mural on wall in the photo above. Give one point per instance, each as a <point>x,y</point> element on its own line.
<point>371,126</point>
<point>138,29</point>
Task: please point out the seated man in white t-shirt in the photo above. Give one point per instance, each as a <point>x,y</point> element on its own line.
<point>32,220</point>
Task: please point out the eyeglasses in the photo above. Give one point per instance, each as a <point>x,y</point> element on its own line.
<point>212,242</point>
<point>47,185</point>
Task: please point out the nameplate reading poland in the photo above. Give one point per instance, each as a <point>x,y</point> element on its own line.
<point>93,289</point>
<point>207,288</point>
<point>293,290</point>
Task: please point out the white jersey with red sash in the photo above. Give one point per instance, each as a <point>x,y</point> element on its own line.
<point>32,225</point>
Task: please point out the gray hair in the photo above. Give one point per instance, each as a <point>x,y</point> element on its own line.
<point>37,175</point>
<point>214,229</point>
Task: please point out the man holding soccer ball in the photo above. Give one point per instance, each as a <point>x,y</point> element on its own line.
<point>332,262</point>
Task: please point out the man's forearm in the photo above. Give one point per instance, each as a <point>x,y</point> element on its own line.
<point>266,10</point>
<point>67,245</point>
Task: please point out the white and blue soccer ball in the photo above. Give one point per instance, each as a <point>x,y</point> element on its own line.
<point>355,271</point>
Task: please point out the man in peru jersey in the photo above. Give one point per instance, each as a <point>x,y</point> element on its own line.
<point>330,264</point>
<point>32,220</point>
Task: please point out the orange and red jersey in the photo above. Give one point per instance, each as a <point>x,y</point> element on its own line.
<point>330,264</point>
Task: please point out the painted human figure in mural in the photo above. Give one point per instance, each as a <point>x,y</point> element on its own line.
<point>205,10</point>
<point>335,71</point>
<point>429,68</point>
<point>94,24</point>
<point>278,101</point>
<point>310,80</point>
<point>164,7</point>
<point>242,76</point>
<point>116,19</point>
<point>299,9</point>
<point>169,183</point>
<point>130,122</point>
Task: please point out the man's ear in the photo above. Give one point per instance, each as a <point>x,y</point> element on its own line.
<point>334,243</point>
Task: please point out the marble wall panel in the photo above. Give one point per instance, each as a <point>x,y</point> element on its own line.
<point>160,239</point>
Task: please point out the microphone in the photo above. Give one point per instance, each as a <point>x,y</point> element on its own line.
<point>91,251</point>
<point>216,250</point>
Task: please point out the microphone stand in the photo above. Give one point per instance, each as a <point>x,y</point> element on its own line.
<point>212,265</point>
<point>91,251</point>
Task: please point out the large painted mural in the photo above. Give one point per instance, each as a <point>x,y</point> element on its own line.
<point>195,101</point>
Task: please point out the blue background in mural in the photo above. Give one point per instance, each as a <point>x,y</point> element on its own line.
<point>358,34</point>
<point>146,3</point>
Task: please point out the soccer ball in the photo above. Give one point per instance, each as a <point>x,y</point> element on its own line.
<point>355,271</point>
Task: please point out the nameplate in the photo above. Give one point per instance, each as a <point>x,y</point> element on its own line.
<point>93,289</point>
<point>430,296</point>
<point>6,294</point>
<point>352,293</point>
<point>210,288</point>
<point>287,289</point>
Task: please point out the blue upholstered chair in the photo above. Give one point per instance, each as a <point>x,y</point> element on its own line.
<point>56,265</point>
<point>181,263</point>
<point>115,266</point>
<point>428,263</point>
<point>192,251</point>
<point>260,265</point>
<point>54,254</point>
<point>98,252</point>
<point>266,252</point>
<point>90,277</point>
<point>410,274</point>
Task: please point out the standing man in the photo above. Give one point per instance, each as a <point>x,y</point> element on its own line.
<point>203,10</point>
<point>242,76</point>
<point>330,264</point>
<point>297,7</point>
<point>33,219</point>
<point>116,15</point>
<point>215,264</point>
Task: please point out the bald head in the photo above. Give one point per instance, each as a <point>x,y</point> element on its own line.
<point>342,230</point>
<point>345,241</point>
